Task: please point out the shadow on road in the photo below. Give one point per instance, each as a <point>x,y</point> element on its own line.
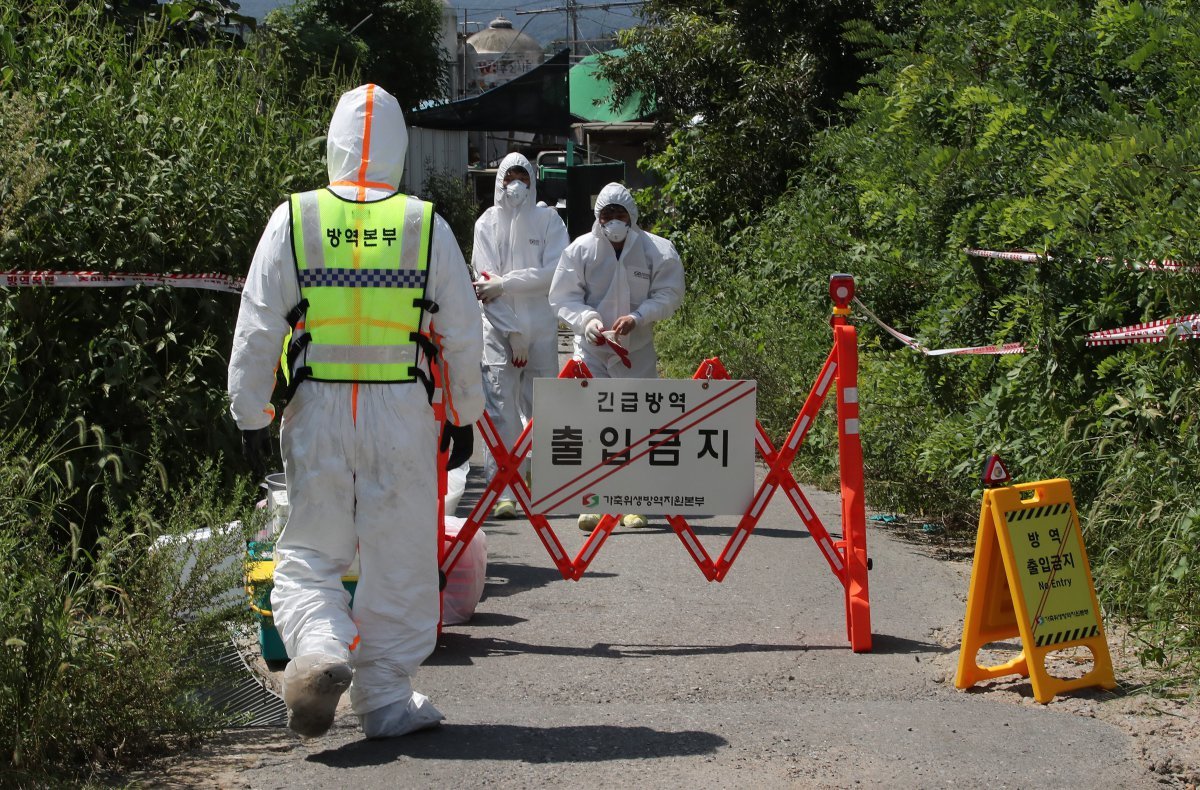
<point>455,649</point>
<point>660,525</point>
<point>884,644</point>
<point>494,619</point>
<point>508,578</point>
<point>524,744</point>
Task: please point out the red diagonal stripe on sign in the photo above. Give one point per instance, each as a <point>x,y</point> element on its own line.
<point>541,505</point>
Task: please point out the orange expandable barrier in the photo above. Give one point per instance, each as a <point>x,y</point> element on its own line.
<point>847,557</point>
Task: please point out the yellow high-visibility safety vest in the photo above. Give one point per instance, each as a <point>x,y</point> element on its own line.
<point>362,269</point>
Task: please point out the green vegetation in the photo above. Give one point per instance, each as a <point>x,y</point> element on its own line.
<point>395,44</point>
<point>151,156</point>
<point>743,86</point>
<point>107,650</point>
<point>454,200</point>
<point>846,137</point>
<point>127,143</point>
<point>1064,128</point>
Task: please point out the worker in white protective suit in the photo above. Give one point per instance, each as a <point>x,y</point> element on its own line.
<point>516,249</point>
<point>369,285</point>
<point>613,284</point>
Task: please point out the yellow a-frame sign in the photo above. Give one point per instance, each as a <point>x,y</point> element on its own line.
<point>1031,578</point>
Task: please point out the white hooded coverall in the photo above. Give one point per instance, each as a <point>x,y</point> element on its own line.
<point>520,246</point>
<point>646,281</point>
<point>361,459</point>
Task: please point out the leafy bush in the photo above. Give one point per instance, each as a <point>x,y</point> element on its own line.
<point>741,98</point>
<point>125,150</point>
<point>396,44</point>
<point>159,157</point>
<point>1058,127</point>
<point>455,201</point>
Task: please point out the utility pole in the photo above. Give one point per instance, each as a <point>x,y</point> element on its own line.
<point>573,7</point>
<point>573,18</point>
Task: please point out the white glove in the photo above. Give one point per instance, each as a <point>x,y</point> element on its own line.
<point>488,288</point>
<point>592,331</point>
<point>519,344</point>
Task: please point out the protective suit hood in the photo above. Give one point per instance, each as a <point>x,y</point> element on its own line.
<point>616,193</point>
<point>515,160</point>
<point>367,140</point>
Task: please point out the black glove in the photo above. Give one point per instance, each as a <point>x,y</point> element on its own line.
<point>460,440</point>
<point>256,449</point>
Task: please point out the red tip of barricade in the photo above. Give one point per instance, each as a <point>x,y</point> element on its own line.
<point>574,369</point>
<point>711,368</point>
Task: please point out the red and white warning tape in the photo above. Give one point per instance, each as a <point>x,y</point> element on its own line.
<point>1007,348</point>
<point>1024,257</point>
<point>1033,257</point>
<point>1187,328</point>
<point>51,279</point>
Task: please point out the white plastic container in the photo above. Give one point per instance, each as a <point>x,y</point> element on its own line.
<point>464,585</point>
<point>277,504</point>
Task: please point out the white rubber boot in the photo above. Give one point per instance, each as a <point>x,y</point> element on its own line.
<point>401,718</point>
<point>312,685</point>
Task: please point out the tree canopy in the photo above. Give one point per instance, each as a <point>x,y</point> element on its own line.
<point>394,44</point>
<point>740,87</point>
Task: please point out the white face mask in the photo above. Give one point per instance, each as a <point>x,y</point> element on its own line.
<point>616,230</point>
<point>515,193</point>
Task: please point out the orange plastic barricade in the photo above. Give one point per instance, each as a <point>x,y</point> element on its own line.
<point>847,557</point>
<point>508,466</point>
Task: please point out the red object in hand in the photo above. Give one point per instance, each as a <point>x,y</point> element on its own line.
<point>622,352</point>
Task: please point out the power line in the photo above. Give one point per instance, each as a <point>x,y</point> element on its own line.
<point>573,7</point>
<point>581,6</point>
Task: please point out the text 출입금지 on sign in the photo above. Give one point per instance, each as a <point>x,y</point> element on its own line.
<point>648,446</point>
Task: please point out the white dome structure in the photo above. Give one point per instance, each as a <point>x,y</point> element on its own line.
<point>498,53</point>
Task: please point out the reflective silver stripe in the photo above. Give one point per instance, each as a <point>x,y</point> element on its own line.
<point>551,543</point>
<point>453,555</point>
<point>410,250</point>
<point>361,355</point>
<point>738,539</point>
<point>800,429</point>
<point>824,382</point>
<point>586,554</point>
<point>310,228</point>
<point>830,552</point>
<point>851,394</point>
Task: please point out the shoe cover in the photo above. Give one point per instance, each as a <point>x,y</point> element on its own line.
<point>400,718</point>
<point>588,521</point>
<point>505,508</point>
<point>312,685</point>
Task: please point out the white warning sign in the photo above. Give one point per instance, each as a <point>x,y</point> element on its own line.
<point>648,446</point>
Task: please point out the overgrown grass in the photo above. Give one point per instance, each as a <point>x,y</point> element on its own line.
<point>142,150</point>
<point>102,661</point>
